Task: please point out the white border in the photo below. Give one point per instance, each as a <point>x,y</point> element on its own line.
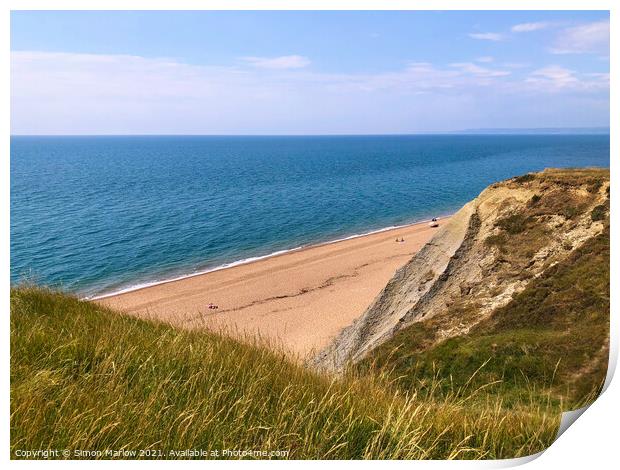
<point>309,5</point>
<point>592,443</point>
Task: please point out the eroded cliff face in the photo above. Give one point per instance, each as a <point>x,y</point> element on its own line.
<point>488,251</point>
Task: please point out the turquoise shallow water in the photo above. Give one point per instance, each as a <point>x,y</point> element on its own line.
<point>95,215</point>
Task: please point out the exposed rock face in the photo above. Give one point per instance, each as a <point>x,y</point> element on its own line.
<point>489,251</point>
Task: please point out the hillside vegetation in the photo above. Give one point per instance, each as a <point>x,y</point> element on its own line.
<point>86,378</point>
<point>551,340</point>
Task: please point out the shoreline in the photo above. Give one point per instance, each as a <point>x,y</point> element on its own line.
<point>296,301</point>
<point>254,259</point>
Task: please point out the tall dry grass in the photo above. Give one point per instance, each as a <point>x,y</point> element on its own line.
<point>86,378</point>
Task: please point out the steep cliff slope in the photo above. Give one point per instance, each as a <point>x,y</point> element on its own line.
<point>513,233</point>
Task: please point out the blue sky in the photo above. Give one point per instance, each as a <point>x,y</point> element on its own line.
<point>306,72</point>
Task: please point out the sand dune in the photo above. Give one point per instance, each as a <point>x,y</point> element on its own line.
<point>298,300</point>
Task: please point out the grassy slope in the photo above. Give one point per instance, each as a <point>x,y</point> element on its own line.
<point>83,377</point>
<point>550,343</point>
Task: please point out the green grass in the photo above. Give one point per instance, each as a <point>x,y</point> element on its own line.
<point>598,213</point>
<point>83,377</point>
<point>549,344</point>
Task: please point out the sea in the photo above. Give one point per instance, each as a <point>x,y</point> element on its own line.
<point>96,215</point>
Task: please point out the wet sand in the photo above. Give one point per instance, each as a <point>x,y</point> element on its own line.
<point>297,301</point>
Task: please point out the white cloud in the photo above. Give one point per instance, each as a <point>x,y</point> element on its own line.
<point>529,27</point>
<point>515,65</point>
<point>601,76</point>
<point>585,38</point>
<point>487,36</point>
<point>283,62</point>
<point>558,78</point>
<point>485,59</point>
<point>416,77</point>
<point>120,94</point>
<point>555,75</point>
<point>474,69</point>
<point>60,93</point>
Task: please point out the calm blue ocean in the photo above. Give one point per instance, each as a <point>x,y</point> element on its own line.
<point>94,215</point>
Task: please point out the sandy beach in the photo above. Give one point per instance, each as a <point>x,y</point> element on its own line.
<point>297,300</point>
